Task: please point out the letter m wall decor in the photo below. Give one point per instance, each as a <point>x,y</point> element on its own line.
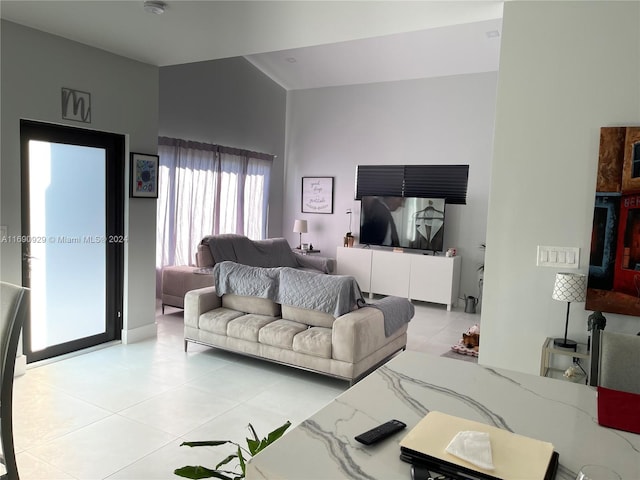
<point>76,105</point>
<point>614,266</point>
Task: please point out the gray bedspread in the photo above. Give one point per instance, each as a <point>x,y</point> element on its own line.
<point>230,277</point>
<point>333,294</point>
<point>274,252</point>
<point>397,311</point>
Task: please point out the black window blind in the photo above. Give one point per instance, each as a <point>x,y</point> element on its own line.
<point>424,181</point>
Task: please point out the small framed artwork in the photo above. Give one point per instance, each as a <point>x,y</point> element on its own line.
<point>317,194</point>
<point>144,175</point>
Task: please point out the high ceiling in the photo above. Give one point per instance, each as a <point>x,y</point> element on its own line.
<point>300,44</point>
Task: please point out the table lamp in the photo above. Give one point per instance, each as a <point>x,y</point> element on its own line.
<point>569,287</point>
<point>300,226</point>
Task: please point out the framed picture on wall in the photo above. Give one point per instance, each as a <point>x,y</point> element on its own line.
<point>614,261</point>
<point>317,194</point>
<point>144,175</point>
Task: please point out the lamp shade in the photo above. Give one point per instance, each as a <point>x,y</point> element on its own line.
<point>570,287</point>
<point>300,226</point>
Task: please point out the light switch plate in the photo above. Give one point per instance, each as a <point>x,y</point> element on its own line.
<point>559,257</point>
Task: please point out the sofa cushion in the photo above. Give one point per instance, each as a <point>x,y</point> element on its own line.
<point>216,320</point>
<point>309,317</point>
<point>314,341</point>
<point>260,306</point>
<point>248,326</point>
<point>280,333</point>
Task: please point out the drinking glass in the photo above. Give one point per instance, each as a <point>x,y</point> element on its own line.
<point>597,472</point>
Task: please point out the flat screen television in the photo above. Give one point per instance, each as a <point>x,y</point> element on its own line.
<point>406,222</point>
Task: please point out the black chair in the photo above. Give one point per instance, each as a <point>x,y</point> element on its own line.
<point>14,304</point>
<point>615,361</point>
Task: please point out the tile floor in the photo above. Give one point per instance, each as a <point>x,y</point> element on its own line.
<point>121,412</point>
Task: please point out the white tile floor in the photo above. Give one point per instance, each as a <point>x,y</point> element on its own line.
<point>121,412</point>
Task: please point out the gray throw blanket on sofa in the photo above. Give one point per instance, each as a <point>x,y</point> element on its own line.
<point>397,311</point>
<point>272,252</point>
<point>238,279</point>
<point>332,294</point>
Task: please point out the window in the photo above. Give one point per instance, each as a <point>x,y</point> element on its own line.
<point>207,189</point>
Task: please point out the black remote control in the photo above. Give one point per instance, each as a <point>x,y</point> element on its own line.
<point>380,432</point>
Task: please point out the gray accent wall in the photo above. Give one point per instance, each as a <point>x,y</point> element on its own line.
<point>566,69</point>
<point>228,102</point>
<point>124,100</point>
<point>447,120</point>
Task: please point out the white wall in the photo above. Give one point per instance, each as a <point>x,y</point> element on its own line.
<point>566,69</point>
<point>429,121</point>
<point>124,99</point>
<point>228,102</point>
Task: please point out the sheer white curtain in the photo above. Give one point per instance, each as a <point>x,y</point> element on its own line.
<point>207,189</point>
<point>256,197</point>
<point>244,193</point>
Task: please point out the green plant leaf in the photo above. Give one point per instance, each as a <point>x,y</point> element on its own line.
<point>277,433</point>
<point>196,472</point>
<point>209,443</point>
<point>243,464</point>
<point>227,460</point>
<point>253,446</point>
<point>272,437</point>
<point>253,432</point>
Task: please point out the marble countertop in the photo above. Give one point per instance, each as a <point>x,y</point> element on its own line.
<point>411,385</point>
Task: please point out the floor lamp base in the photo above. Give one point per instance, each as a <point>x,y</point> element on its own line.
<point>565,343</point>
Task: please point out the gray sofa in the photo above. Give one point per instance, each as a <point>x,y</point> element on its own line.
<point>272,252</point>
<point>344,344</point>
<point>179,279</point>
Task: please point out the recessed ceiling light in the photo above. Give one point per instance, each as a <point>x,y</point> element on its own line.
<point>493,34</point>
<point>153,6</point>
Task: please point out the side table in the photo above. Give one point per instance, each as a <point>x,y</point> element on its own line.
<point>580,358</point>
<point>305,252</point>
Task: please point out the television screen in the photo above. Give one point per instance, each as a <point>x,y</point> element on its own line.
<point>406,222</point>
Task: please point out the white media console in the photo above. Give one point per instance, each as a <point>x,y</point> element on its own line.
<point>410,275</point>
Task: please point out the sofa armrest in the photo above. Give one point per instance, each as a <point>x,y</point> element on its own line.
<point>323,264</point>
<point>199,301</point>
<point>204,257</point>
<point>357,334</point>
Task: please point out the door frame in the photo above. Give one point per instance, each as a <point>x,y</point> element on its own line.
<point>115,160</point>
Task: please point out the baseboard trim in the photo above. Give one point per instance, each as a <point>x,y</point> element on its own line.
<point>139,334</point>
